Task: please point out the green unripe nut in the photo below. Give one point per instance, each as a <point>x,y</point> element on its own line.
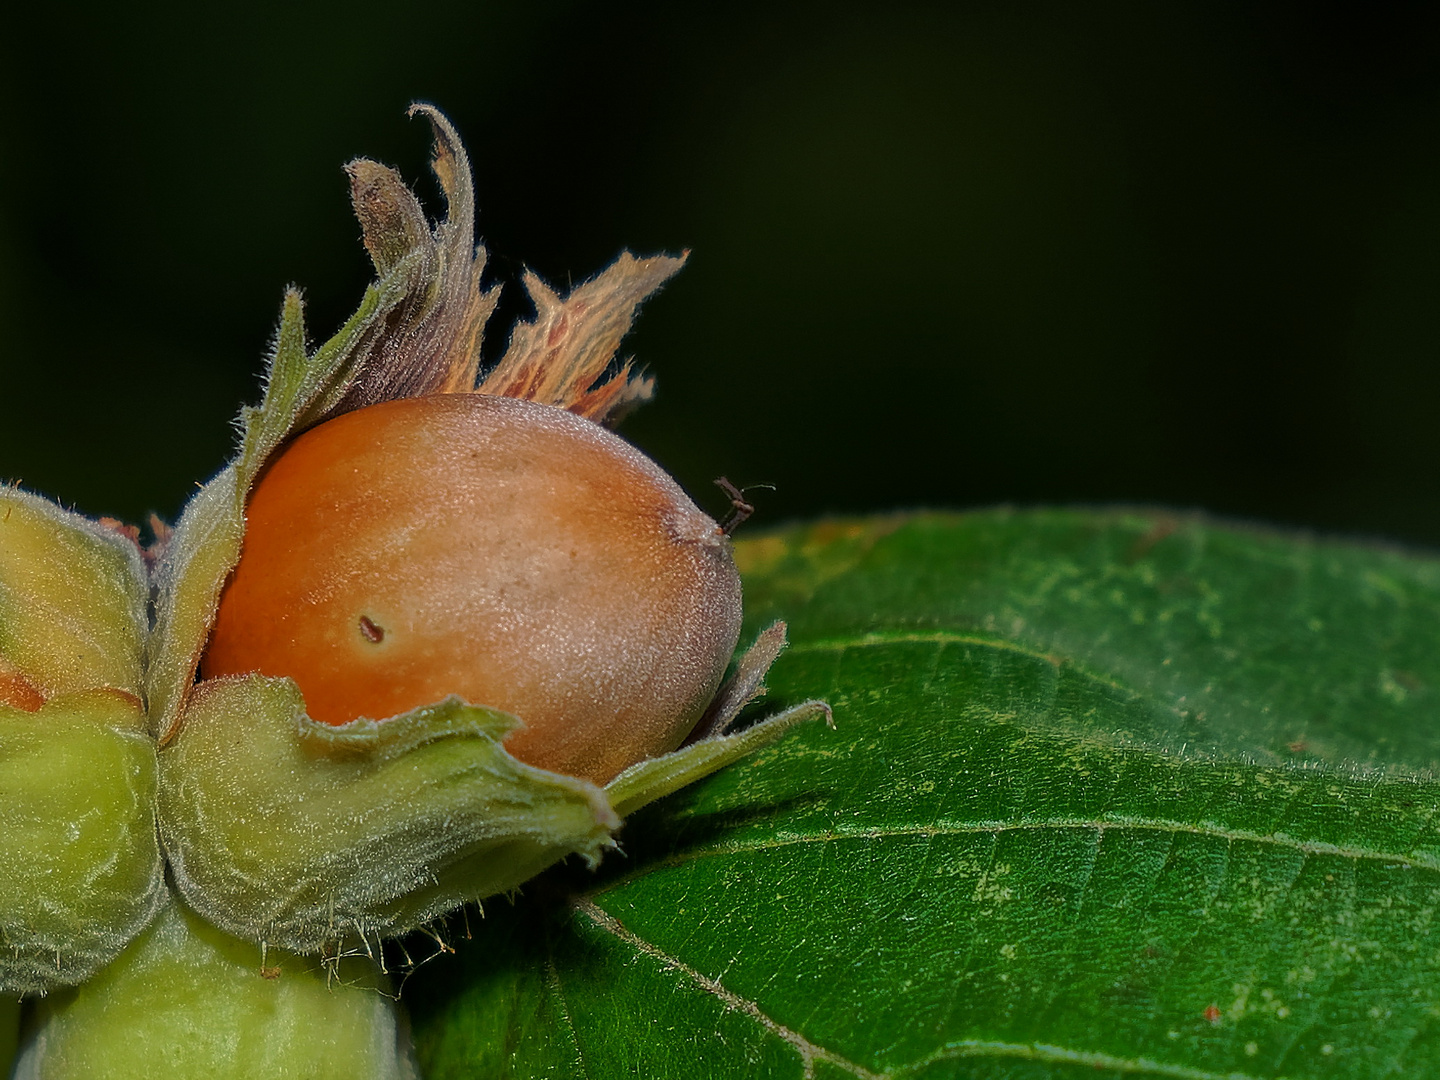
<point>72,604</point>
<point>80,870</point>
<point>80,866</point>
<point>186,1000</point>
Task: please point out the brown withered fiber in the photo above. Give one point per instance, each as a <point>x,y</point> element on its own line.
<point>560,357</point>
<point>429,343</point>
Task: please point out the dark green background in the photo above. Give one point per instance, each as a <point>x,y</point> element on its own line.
<point>945,255</point>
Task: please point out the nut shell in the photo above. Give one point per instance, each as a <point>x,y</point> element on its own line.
<point>512,553</point>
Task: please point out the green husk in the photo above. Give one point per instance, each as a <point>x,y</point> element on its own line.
<point>80,869</point>
<point>72,598</point>
<point>426,302</point>
<point>283,830</point>
<point>186,1000</point>
<point>643,783</point>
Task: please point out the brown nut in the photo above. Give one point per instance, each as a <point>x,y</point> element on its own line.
<point>514,554</point>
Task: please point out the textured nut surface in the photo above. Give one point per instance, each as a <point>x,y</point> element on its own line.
<point>512,553</point>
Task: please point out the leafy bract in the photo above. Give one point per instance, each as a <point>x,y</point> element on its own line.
<point>1110,794</point>
<point>80,866</point>
<point>72,599</point>
<point>292,832</point>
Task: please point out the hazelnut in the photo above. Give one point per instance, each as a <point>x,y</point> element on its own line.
<point>512,553</point>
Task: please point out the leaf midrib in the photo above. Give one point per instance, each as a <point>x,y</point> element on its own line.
<point>1099,825</point>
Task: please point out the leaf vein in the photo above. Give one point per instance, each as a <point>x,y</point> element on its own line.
<point>1048,1053</point>
<point>552,978</point>
<point>809,1052</point>
<point>927,637</point>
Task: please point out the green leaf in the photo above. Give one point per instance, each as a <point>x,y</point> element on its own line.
<point>1110,794</point>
